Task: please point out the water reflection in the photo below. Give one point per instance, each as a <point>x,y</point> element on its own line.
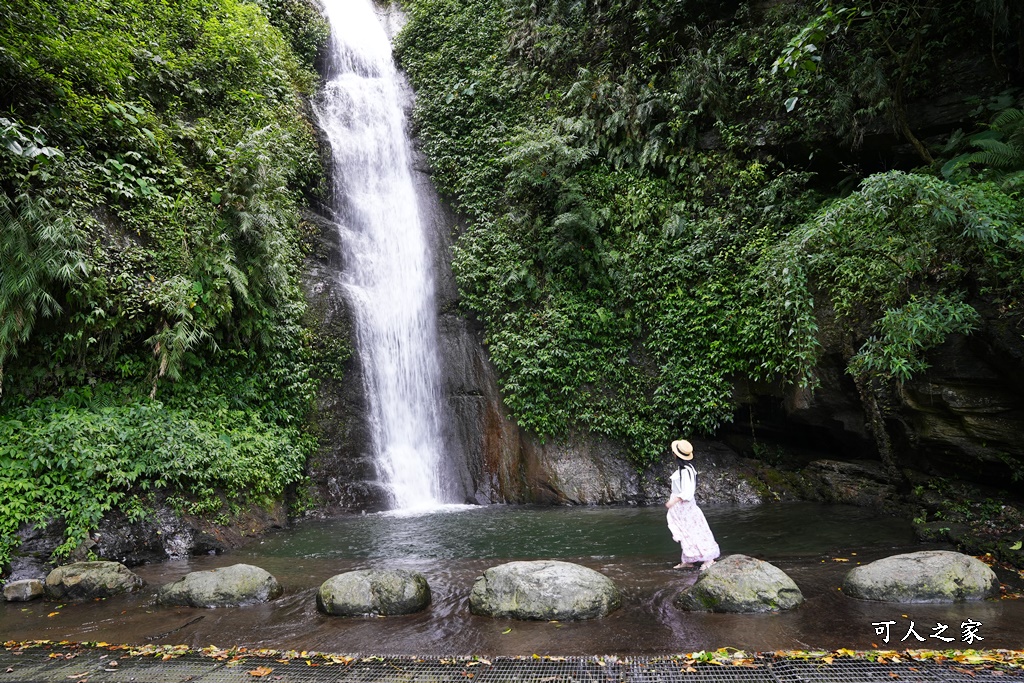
<point>631,546</point>
<point>464,532</point>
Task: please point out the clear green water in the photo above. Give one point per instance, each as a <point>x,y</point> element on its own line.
<point>816,545</point>
<point>494,532</point>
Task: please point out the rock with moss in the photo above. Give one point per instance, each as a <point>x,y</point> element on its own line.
<point>938,576</point>
<point>237,585</point>
<point>90,580</point>
<point>544,589</point>
<point>739,583</point>
<point>376,592</point>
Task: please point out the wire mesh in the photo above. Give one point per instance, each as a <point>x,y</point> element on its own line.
<point>84,665</point>
<point>869,672</point>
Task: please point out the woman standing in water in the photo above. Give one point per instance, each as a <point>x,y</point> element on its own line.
<point>685,519</point>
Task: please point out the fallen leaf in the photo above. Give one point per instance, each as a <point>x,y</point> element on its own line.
<point>53,614</point>
<point>893,674</point>
<point>508,630</point>
<point>260,671</point>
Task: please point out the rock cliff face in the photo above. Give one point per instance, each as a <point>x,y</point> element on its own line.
<point>968,408</point>
<point>963,416</point>
<point>342,473</point>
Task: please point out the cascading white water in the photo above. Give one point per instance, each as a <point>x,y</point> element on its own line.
<point>388,274</point>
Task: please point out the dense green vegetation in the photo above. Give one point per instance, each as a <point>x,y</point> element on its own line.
<point>656,202</point>
<point>153,160</point>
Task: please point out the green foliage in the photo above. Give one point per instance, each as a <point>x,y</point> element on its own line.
<point>893,262</point>
<point>38,248</point>
<point>998,153</point>
<point>905,333</point>
<point>613,267</point>
<point>634,241</point>
<point>302,22</point>
<point>154,157</point>
<point>90,452</point>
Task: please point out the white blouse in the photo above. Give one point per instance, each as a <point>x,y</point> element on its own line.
<point>684,482</point>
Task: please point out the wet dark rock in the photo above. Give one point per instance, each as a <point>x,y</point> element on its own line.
<point>90,580</point>
<point>858,482</point>
<point>23,590</point>
<point>723,477</point>
<point>966,412</point>
<point>376,592</point>
<point>738,583</point>
<point>938,576</point>
<point>585,470</point>
<point>234,586</point>
<point>544,589</point>
<point>28,567</point>
<point>342,470</point>
<point>158,536</point>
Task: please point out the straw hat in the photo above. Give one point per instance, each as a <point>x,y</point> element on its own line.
<point>682,449</point>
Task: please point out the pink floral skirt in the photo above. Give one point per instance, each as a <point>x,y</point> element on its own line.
<point>690,529</point>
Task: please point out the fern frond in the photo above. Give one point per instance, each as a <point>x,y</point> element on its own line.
<point>1008,118</point>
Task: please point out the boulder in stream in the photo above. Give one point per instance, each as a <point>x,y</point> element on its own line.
<point>544,589</point>
<point>23,590</point>
<point>738,583</point>
<point>90,580</point>
<point>234,586</point>
<point>940,576</point>
<point>376,592</point>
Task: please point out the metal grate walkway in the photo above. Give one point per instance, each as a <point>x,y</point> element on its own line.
<point>50,663</point>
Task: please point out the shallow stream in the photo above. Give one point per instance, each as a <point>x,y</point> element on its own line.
<point>815,544</point>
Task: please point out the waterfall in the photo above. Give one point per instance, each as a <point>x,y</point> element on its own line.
<point>387,278</point>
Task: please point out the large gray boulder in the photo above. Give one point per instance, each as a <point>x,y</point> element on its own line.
<point>544,589</point>
<point>234,586</point>
<point>738,583</point>
<point>90,580</point>
<point>23,590</point>
<point>925,576</point>
<point>378,592</point>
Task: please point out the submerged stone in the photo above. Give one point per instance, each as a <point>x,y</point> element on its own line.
<point>234,586</point>
<point>544,589</point>
<point>377,592</point>
<point>926,576</point>
<point>23,590</point>
<point>738,583</point>
<point>90,580</point>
